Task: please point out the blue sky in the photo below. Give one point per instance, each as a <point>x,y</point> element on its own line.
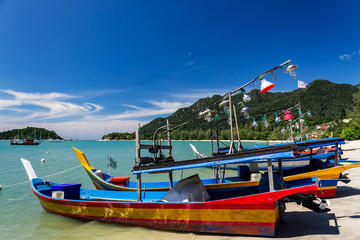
<point>80,67</point>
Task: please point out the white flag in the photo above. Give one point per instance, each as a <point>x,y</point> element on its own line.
<point>302,84</point>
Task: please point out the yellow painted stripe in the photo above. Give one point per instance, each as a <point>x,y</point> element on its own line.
<point>321,174</point>
<point>232,215</point>
<point>327,188</point>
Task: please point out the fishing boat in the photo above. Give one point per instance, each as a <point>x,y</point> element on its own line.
<point>187,206</point>
<point>27,141</point>
<point>325,153</point>
<point>246,175</point>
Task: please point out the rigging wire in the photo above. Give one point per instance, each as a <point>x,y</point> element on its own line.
<point>224,96</point>
<point>16,184</point>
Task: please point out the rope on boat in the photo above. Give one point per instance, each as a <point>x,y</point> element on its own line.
<point>61,172</point>
<point>16,184</point>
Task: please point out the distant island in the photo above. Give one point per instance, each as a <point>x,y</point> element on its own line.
<point>29,132</point>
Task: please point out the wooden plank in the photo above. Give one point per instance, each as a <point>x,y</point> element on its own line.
<point>171,179</point>
<point>280,167</point>
<point>271,177</point>
<point>336,154</point>
<point>168,135</point>
<point>161,172</point>
<point>138,179</point>
<point>146,146</point>
<point>137,137</point>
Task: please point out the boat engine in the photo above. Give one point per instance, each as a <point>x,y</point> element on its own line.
<point>311,202</point>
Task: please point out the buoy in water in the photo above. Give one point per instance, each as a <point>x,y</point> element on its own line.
<point>42,160</point>
<point>48,152</point>
<point>0,187</point>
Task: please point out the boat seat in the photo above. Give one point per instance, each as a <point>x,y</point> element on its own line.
<point>39,184</point>
<point>120,181</point>
<point>42,187</point>
<point>316,164</point>
<point>244,173</point>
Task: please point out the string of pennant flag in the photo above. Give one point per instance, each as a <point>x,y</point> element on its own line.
<point>265,86</point>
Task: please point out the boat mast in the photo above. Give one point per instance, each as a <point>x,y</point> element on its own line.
<point>169,143</point>
<point>137,163</point>
<point>237,130</point>
<point>231,150</point>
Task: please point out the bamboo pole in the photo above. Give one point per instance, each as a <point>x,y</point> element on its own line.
<point>169,143</point>
<point>138,150</point>
<point>271,177</point>
<point>137,138</point>
<point>237,129</point>
<point>168,135</point>
<point>231,150</point>
<point>336,154</point>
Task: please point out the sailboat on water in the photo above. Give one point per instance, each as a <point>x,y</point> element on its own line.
<point>104,139</point>
<point>26,141</point>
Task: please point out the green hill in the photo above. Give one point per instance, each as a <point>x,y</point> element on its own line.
<point>322,102</point>
<point>326,101</point>
<point>29,132</point>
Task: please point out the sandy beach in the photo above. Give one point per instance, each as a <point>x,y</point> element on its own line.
<point>340,223</point>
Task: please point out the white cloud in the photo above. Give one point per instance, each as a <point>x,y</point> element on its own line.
<point>131,106</point>
<point>59,112</point>
<point>197,94</point>
<point>189,63</point>
<point>345,57</point>
<point>47,105</point>
<point>91,126</point>
<point>348,57</point>
<point>158,108</point>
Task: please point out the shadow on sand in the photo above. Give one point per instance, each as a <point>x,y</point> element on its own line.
<point>346,191</point>
<point>296,224</point>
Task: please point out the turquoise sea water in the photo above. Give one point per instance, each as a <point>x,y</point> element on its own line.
<point>22,217</point>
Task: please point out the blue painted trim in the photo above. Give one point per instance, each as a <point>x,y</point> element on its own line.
<point>288,154</point>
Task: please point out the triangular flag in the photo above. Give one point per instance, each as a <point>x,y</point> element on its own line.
<point>302,84</point>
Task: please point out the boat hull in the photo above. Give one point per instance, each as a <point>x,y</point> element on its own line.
<point>176,217</point>
<point>24,143</point>
<point>245,214</point>
<point>225,216</point>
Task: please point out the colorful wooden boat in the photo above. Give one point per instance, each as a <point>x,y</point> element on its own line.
<point>328,179</point>
<point>302,160</point>
<point>309,149</point>
<point>196,210</point>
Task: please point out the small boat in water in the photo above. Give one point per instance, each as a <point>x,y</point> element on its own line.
<point>27,141</point>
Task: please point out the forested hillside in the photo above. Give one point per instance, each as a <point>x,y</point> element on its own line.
<point>323,101</point>
<point>29,132</point>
